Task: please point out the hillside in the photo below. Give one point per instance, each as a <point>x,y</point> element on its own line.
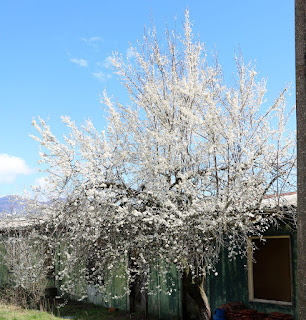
<point>11,204</point>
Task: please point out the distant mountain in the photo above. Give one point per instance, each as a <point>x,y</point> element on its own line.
<point>12,204</point>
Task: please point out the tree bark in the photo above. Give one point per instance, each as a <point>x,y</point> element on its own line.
<point>195,289</point>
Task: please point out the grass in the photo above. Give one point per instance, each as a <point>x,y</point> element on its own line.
<point>73,310</point>
<point>9,312</point>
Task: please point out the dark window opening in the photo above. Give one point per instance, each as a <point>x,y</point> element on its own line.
<point>271,269</point>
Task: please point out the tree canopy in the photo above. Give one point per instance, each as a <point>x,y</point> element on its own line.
<point>180,171</point>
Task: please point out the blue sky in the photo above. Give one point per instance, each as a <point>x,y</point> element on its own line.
<point>53,59</point>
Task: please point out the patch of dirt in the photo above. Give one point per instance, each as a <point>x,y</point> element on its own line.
<point>130,316</point>
<point>73,307</point>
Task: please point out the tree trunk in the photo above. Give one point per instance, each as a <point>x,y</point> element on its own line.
<point>195,289</point>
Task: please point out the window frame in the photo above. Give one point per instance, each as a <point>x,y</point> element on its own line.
<point>250,272</point>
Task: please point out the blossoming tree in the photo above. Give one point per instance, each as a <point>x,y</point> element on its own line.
<point>24,256</point>
<point>180,171</point>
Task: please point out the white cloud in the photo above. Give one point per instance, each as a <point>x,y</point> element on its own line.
<point>92,40</point>
<point>130,53</point>
<point>102,76</point>
<point>80,62</point>
<point>41,182</point>
<point>11,167</point>
<point>108,62</point>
